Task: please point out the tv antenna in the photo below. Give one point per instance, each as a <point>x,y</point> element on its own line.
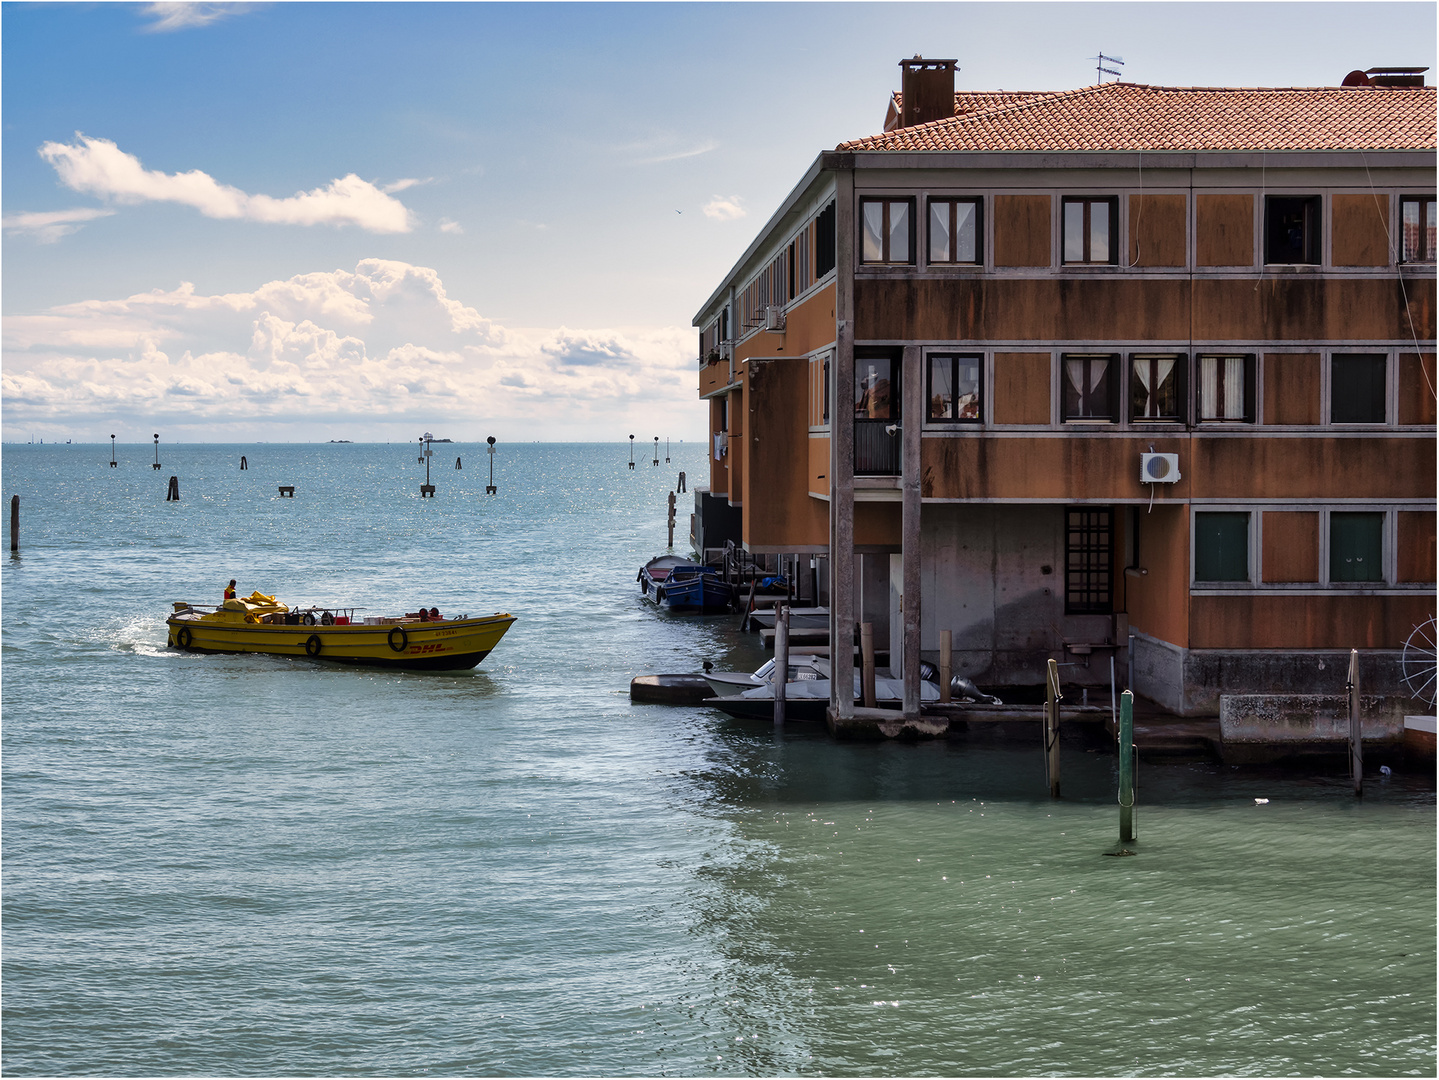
<point>1101,71</point>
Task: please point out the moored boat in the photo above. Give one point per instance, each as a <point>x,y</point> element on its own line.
<point>808,699</point>
<point>677,583</point>
<point>418,641</point>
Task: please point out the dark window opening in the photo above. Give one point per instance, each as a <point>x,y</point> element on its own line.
<point>1356,547</point>
<point>1221,546</point>
<point>1091,230</point>
<point>826,391</point>
<point>791,272</point>
<point>954,388</point>
<point>824,241</point>
<point>1416,215</point>
<point>886,231</point>
<point>1088,384</point>
<point>1156,388</point>
<point>1357,388</point>
<point>956,231</point>
<point>878,447</point>
<point>1227,389</point>
<point>1291,229</point>
<point>1089,561</point>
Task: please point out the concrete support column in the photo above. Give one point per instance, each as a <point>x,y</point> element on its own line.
<point>841,460</point>
<point>912,421</point>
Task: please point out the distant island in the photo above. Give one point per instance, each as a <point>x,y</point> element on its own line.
<point>341,440</point>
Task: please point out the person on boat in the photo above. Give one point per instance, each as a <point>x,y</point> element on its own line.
<point>230,590</point>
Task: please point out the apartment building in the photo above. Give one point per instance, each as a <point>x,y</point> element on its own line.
<point>1131,374</point>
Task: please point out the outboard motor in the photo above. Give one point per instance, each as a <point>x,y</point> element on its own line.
<point>961,689</point>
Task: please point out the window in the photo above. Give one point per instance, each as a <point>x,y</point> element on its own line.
<point>1356,547</point>
<point>1226,389</point>
<point>886,229</point>
<point>1091,230</point>
<point>872,397</point>
<point>955,231</point>
<point>1088,561</point>
<point>1089,383</point>
<point>954,387</point>
<point>1416,214</point>
<point>826,391</point>
<point>1357,387</point>
<point>1155,388</point>
<point>877,446</point>
<point>824,241</point>
<point>1221,546</point>
<point>1291,229</point>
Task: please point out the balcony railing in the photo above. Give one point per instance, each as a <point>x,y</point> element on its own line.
<point>877,452</point>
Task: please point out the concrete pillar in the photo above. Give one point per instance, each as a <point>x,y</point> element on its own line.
<point>841,459</point>
<point>912,420</point>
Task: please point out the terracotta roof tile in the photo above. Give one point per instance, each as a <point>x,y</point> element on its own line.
<point>1129,116</point>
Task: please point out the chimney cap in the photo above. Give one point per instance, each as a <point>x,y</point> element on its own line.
<point>921,62</point>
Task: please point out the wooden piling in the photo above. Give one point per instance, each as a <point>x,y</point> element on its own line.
<point>946,663</point>
<point>781,661</point>
<point>1126,767</point>
<point>173,494</point>
<point>1356,734</point>
<point>866,657</point>
<point>1052,699</point>
<point>672,519</point>
<point>243,463</point>
<point>681,485</point>
<point>457,464</point>
<point>14,522</point>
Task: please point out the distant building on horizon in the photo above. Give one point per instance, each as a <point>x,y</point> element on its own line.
<point>1124,371</point>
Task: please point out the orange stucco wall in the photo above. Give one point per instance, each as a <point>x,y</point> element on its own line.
<point>1159,600</point>
<point>779,514</point>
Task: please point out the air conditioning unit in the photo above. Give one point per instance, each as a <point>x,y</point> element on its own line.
<point>774,317</point>
<point>1158,468</point>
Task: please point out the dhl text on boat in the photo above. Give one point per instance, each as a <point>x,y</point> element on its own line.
<point>418,641</point>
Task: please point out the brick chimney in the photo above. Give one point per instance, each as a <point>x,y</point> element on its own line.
<point>927,90</point>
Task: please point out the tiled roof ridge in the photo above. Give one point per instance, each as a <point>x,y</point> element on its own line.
<point>1119,89</point>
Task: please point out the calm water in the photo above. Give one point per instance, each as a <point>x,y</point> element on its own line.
<point>227,865</point>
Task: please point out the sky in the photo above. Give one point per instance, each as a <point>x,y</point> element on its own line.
<point>292,221</point>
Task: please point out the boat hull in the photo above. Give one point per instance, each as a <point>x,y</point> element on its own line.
<point>454,645</point>
<point>682,586</point>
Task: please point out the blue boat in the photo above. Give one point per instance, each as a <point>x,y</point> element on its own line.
<point>681,585</point>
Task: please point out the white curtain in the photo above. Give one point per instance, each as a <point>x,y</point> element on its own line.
<point>1208,388</point>
<point>1141,370</point>
<point>1234,388</point>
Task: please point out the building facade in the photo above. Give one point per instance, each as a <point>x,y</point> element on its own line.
<point>1125,374</point>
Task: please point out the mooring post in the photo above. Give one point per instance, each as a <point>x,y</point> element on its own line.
<point>1126,767</point>
<point>14,522</point>
<point>656,461</point>
<point>866,660</point>
<point>781,660</point>
<point>667,449</point>
<point>1052,698</point>
<point>157,451</point>
<point>490,489</point>
<point>1356,734</point>
<point>112,451</point>
<point>243,463</point>
<point>681,484</point>
<point>173,495</point>
<point>457,464</point>
<point>946,665</point>
<point>632,451</point>
<point>672,519</point>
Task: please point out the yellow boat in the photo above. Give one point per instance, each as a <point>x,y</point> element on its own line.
<point>420,641</point>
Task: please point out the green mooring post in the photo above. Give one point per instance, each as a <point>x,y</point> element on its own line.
<point>1126,767</point>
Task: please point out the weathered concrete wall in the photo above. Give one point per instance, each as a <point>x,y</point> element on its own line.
<point>1159,671</point>
<point>1260,727</point>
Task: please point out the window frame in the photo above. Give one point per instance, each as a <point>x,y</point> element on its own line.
<point>1181,388</point>
<point>1250,411</point>
<point>1313,239</point>
<point>1087,201</point>
<point>1427,203</point>
<point>1385,531</point>
<point>1116,373</point>
<point>1251,570</point>
<point>887,201</point>
<point>977,201</point>
<point>954,358</point>
<point>1347,398</point>
<point>1104,606</point>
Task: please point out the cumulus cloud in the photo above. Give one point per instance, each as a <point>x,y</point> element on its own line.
<point>171,15</point>
<point>723,208</point>
<point>452,227</point>
<point>382,343</point>
<point>50,225</point>
<point>100,167</point>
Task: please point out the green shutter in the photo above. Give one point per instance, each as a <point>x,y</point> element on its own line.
<point>1221,547</point>
<point>1356,547</point>
<point>1357,389</point>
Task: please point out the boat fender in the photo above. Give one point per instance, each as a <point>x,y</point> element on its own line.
<point>660,595</point>
<point>309,618</point>
<point>399,639</point>
<point>182,637</point>
<point>312,645</point>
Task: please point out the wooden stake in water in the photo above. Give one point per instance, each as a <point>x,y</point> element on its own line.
<point>672,519</point>
<point>1052,698</point>
<point>866,657</point>
<point>1356,735</point>
<point>14,522</point>
<point>946,665</point>
<point>781,660</point>
<point>1126,767</point>
<point>173,494</point>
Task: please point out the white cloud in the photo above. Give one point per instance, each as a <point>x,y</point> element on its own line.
<point>453,227</point>
<point>381,344</point>
<point>172,15</point>
<point>725,209</point>
<point>50,225</point>
<point>99,167</point>
<point>408,182</point>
